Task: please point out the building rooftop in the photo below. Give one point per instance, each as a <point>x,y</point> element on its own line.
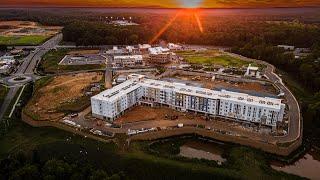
<point>135,82</point>
<point>158,50</point>
<point>136,57</point>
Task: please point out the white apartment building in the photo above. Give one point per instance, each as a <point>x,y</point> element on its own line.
<point>113,102</point>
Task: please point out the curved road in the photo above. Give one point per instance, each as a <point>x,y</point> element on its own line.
<point>294,115</point>
<point>27,68</point>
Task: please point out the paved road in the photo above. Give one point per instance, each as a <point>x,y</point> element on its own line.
<point>27,68</point>
<point>294,114</point>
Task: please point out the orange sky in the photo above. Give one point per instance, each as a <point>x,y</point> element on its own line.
<point>165,3</point>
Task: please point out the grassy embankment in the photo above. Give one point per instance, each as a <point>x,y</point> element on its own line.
<point>212,57</point>
<point>50,63</point>
<point>76,105</point>
<point>3,92</point>
<point>31,40</point>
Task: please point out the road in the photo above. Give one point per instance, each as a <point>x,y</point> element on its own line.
<point>27,68</point>
<point>294,114</point>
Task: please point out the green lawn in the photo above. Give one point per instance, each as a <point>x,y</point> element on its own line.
<point>22,40</point>
<point>50,63</point>
<point>212,57</point>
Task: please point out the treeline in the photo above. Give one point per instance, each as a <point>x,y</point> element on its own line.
<point>19,167</point>
<point>87,33</point>
<point>220,32</point>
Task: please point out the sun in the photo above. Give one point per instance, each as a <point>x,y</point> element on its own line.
<point>190,3</point>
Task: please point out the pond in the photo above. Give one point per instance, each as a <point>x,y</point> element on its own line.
<point>202,150</point>
<point>308,166</point>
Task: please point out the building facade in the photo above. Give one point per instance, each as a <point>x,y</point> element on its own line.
<point>112,103</point>
<point>127,61</point>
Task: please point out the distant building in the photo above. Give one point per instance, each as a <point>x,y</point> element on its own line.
<point>112,103</point>
<point>161,58</point>
<point>158,50</point>
<point>7,60</point>
<point>5,69</point>
<point>253,71</point>
<point>115,51</point>
<point>127,60</point>
<point>144,46</point>
<point>286,47</point>
<point>160,55</point>
<point>16,52</point>
<point>172,46</point>
<point>123,23</point>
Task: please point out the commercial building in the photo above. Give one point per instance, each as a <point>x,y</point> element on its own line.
<point>286,47</point>
<point>113,102</point>
<point>160,55</point>
<point>252,71</point>
<point>127,61</point>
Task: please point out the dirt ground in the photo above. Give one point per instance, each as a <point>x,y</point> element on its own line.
<point>62,89</point>
<point>145,113</point>
<point>84,52</point>
<point>208,83</point>
<point>22,28</point>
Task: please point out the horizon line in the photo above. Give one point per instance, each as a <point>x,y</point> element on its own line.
<point>155,7</point>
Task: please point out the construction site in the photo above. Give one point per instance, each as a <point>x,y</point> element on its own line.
<point>62,94</point>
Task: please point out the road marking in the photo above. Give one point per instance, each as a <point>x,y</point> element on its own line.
<point>14,106</point>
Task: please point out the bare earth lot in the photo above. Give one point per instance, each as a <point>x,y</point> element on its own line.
<point>62,91</point>
<point>143,113</point>
<point>208,83</point>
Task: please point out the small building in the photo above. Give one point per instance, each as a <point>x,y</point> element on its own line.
<point>158,50</point>
<point>172,46</point>
<point>5,69</point>
<point>121,79</point>
<point>286,47</point>
<point>252,71</point>
<point>127,60</point>
<point>161,58</point>
<point>115,51</point>
<point>7,60</point>
<point>16,52</point>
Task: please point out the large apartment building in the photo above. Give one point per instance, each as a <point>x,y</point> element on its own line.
<point>113,102</point>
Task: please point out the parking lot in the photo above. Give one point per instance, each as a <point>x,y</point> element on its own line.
<point>83,59</point>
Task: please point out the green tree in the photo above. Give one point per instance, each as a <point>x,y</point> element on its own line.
<point>56,169</point>
<point>99,175</point>
<point>27,172</point>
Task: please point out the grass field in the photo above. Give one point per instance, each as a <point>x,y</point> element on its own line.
<point>22,40</point>
<point>50,63</point>
<point>212,57</point>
